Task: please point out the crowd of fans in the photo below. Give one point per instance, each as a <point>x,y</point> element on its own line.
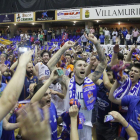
<point>69,86</point>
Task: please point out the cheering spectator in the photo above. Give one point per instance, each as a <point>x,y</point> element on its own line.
<point>135,34</point>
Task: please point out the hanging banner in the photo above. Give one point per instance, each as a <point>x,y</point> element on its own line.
<point>47,15</point>
<point>7,18</point>
<point>112,12</point>
<point>68,14</point>
<point>25,17</point>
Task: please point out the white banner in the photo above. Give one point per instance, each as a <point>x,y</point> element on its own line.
<point>68,14</point>
<point>109,48</point>
<point>129,11</point>
<point>24,17</point>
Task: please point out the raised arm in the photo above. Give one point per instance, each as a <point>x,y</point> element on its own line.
<point>111,97</point>
<point>9,126</point>
<point>73,112</point>
<point>129,55</point>
<point>106,81</point>
<point>101,66</point>
<point>128,128</point>
<point>54,60</point>
<point>12,91</point>
<point>40,93</point>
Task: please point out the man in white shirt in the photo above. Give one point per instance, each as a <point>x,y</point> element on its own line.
<point>128,39</point>
<point>107,35</point>
<point>115,32</point>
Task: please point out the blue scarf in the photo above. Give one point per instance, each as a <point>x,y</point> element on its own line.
<point>135,90</point>
<point>89,92</point>
<point>123,89</point>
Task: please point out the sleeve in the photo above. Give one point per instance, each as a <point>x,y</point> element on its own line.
<point>126,100</point>
<point>55,112</point>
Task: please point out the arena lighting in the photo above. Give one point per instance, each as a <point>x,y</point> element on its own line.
<point>119,23</point>
<point>8,26</point>
<point>97,21</point>
<point>74,22</point>
<point>15,24</point>
<point>33,23</point>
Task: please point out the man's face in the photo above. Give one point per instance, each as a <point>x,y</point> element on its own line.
<point>10,57</point>
<point>80,69</point>
<point>46,99</point>
<point>2,57</point>
<point>39,59</point>
<point>94,62</point>
<point>110,76</point>
<point>134,74</point>
<point>45,58</point>
<point>68,59</point>
<point>85,56</point>
<point>29,69</point>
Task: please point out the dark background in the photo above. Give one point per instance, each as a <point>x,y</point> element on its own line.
<point>49,13</point>
<point>10,17</point>
<point>9,6</point>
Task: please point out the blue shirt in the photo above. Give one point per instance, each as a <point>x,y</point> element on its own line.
<point>3,86</point>
<point>1,123</point>
<point>101,37</point>
<point>124,33</point>
<point>53,121</point>
<point>133,103</point>
<point>9,134</point>
<point>104,104</point>
<point>25,91</point>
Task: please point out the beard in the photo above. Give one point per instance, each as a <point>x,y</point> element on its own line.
<point>29,73</point>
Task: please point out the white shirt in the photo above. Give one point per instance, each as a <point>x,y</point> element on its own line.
<point>58,102</point>
<point>128,37</point>
<point>107,32</point>
<point>115,32</point>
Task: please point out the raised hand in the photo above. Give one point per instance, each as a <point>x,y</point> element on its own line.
<point>73,111</point>
<point>69,44</point>
<point>92,38</point>
<point>25,58</point>
<point>31,125</point>
<point>116,48</point>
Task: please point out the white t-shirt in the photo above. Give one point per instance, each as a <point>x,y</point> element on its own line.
<point>79,96</point>
<point>58,102</point>
<point>43,70</point>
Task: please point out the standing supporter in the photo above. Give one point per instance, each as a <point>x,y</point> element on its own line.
<point>102,38</point>
<point>87,30</point>
<point>138,40</point>
<point>41,39</point>
<point>53,33</point>
<point>62,31</point>
<point>135,34</point>
<point>132,100</point>
<point>122,39</point>
<point>45,34</point>
<point>29,79</point>
<point>124,32</point>
<point>96,33</point>
<point>43,95</point>
<point>114,39</point>
<point>107,36</point>
<point>49,34</point>
<point>80,72</point>
<point>2,85</point>
<point>84,40</point>
<point>128,39</point>
<point>100,30</point>
<point>28,40</point>
<point>105,131</point>
<point>92,31</point>
<point>114,32</point>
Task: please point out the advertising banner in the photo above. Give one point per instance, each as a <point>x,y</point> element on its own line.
<point>25,17</point>
<point>7,18</point>
<point>68,14</point>
<point>112,12</point>
<point>47,15</point>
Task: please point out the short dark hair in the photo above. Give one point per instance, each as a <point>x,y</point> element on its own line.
<point>137,65</point>
<point>37,87</point>
<point>120,138</point>
<point>45,52</point>
<point>68,55</point>
<point>78,59</point>
<point>108,69</point>
<point>120,56</point>
<point>6,55</point>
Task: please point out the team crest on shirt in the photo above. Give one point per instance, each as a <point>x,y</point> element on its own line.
<point>90,95</point>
